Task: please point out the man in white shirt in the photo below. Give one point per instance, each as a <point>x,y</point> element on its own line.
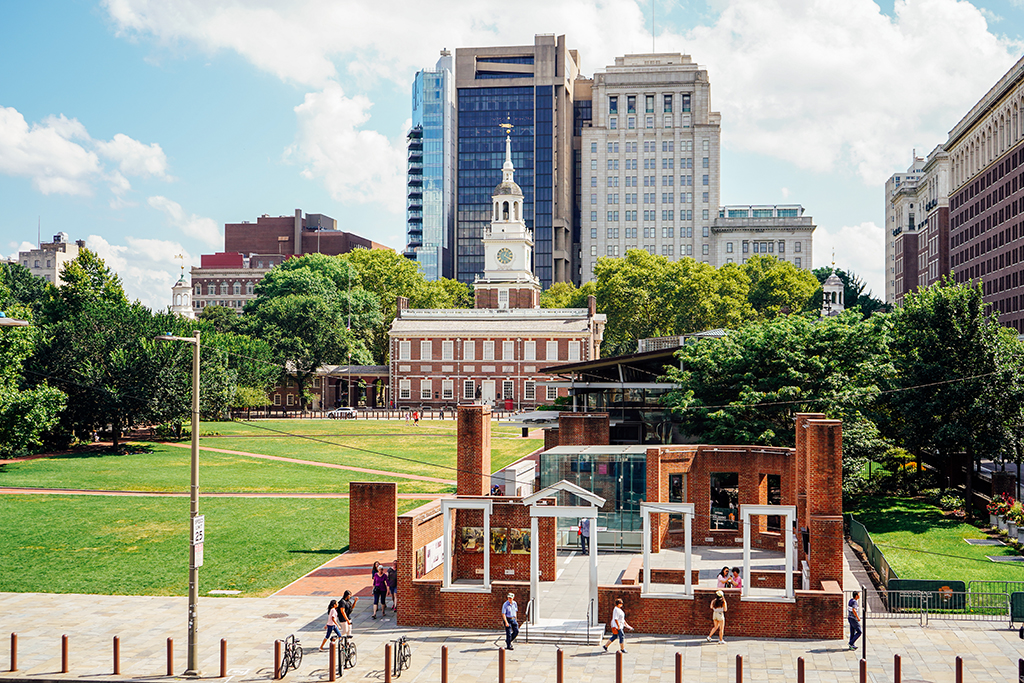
<point>618,626</point>
<point>509,610</point>
<point>585,535</point>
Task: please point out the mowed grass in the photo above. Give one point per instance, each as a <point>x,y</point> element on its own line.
<point>167,468</point>
<point>921,543</point>
<point>138,546</point>
<point>390,445</point>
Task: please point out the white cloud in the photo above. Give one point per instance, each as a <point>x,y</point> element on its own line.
<point>134,157</point>
<point>355,164</point>
<point>785,192</point>
<point>24,246</point>
<point>860,248</point>
<point>147,267</point>
<point>60,157</point>
<point>198,227</point>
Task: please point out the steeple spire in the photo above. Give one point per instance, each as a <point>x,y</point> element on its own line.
<point>507,170</point>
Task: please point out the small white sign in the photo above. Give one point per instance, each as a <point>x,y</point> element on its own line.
<point>198,547</point>
<point>198,529</point>
<point>510,572</point>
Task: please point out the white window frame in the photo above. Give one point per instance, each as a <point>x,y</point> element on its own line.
<point>530,350</point>
<point>404,389</point>
<point>448,389</point>
<point>502,298</point>
<point>426,349</point>
<point>488,350</point>
<point>277,399</point>
<point>471,394</point>
<point>469,350</point>
<point>426,390</point>
<point>404,350</point>
<point>574,351</point>
<point>447,350</point>
<point>551,345</point>
<point>290,400</point>
<point>508,350</point>
<point>508,390</point>
<point>529,390</point>
<point>552,393</point>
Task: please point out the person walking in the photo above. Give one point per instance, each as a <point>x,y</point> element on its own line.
<point>380,591</point>
<point>853,616</point>
<point>718,609</point>
<point>509,612</point>
<point>585,535</point>
<point>345,607</point>
<point>332,624</point>
<point>618,626</point>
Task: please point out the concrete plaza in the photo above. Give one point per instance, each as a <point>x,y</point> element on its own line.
<point>251,625</point>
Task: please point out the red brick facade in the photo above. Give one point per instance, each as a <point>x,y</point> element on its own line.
<point>373,507</point>
<point>518,297</point>
<point>583,429</point>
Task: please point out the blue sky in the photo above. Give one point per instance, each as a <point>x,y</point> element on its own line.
<point>142,126</point>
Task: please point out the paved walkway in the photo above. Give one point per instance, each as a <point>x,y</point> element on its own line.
<point>251,625</point>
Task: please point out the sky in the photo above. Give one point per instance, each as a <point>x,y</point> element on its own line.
<point>142,126</point>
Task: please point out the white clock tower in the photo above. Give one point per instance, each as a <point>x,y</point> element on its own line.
<point>508,280</point>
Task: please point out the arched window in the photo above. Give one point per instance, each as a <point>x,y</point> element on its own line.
<point>248,288</point>
<point>223,289</point>
<point>515,209</point>
<point>504,211</point>
<point>199,290</point>
<point>236,288</point>
<point>177,299</point>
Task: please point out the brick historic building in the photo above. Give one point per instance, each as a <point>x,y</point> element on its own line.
<point>492,353</point>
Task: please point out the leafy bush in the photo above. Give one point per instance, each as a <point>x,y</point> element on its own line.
<point>951,501</point>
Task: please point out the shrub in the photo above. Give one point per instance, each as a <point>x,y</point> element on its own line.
<point>951,501</point>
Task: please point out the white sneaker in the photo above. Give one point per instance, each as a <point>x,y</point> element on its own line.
<point>709,639</point>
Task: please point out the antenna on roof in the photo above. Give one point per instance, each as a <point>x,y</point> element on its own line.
<point>652,27</point>
<point>39,232</point>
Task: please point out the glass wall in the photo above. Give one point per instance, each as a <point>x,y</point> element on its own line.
<point>619,478</point>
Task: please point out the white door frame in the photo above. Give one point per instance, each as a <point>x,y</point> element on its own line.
<point>787,511</point>
<point>447,505</point>
<point>555,511</point>
<point>687,511</point>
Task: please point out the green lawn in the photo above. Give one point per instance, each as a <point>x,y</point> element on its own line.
<point>427,449</point>
<point>122,545</point>
<point>166,468</point>
<point>137,546</point>
<point>921,543</point>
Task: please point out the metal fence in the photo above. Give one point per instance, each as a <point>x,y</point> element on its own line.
<point>859,535</point>
<point>941,604</point>
<point>995,586</point>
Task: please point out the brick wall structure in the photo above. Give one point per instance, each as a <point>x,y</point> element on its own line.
<point>372,521</point>
<point>474,450</point>
<point>583,429</point>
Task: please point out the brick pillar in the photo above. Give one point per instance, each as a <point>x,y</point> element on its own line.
<point>825,500</point>
<point>570,429</point>
<point>550,438</point>
<point>799,473</point>
<point>474,451</point>
<point>372,516</point>
<point>596,429</point>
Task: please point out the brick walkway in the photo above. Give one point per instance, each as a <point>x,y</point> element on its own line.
<point>348,571</point>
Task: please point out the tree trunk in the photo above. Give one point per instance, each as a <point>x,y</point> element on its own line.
<point>116,435</point>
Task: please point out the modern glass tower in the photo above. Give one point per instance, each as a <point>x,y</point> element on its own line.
<point>431,177</point>
<point>530,87</point>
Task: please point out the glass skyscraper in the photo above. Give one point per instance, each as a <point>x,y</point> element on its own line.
<point>531,87</point>
<point>430,212</point>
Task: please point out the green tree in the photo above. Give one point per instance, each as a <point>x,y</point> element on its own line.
<point>567,295</point>
<point>99,348</point>
<point>27,414</point>
<point>637,293</point>
<point>20,286</point>
<point>777,286</point>
<point>746,387</point>
<point>221,318</point>
<point>955,369</point>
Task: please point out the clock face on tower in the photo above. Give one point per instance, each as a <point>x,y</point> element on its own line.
<point>504,256</point>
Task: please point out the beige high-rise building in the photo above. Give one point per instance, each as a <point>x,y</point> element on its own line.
<point>48,260</point>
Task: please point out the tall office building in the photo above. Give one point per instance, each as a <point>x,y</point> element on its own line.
<point>650,173</point>
<point>431,177</point>
<point>650,160</point>
<point>900,230</point>
<point>531,87</point>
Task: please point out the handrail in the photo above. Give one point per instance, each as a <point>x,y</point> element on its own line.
<point>529,618</point>
<point>586,622</point>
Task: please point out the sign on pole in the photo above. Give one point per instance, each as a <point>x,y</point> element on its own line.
<point>198,529</point>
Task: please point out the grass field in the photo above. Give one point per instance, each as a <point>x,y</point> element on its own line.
<point>138,546</point>
<point>921,543</point>
<point>131,545</point>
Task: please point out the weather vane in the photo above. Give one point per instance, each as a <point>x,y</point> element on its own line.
<point>182,257</point>
<point>507,125</point>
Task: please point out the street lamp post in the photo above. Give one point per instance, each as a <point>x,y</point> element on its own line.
<point>197,531</point>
